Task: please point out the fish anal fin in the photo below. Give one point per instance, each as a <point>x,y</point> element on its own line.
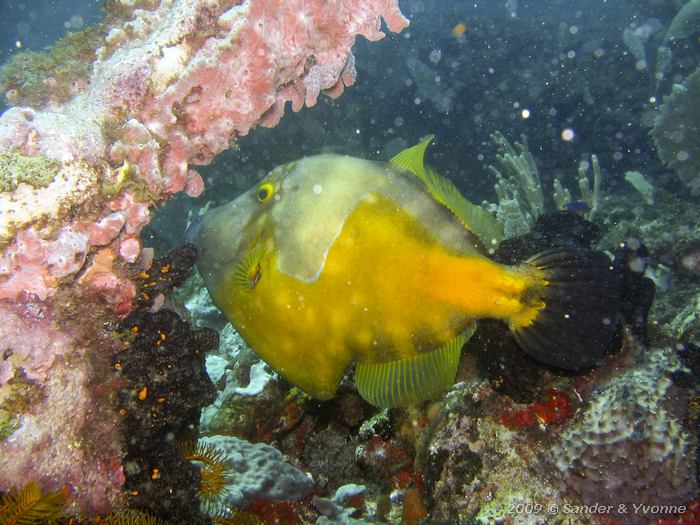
<point>411,380</point>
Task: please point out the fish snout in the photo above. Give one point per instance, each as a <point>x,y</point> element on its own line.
<point>193,230</point>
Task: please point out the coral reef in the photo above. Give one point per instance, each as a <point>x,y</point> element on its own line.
<point>15,168</point>
<point>172,84</point>
<point>519,190</point>
<point>162,387</point>
<point>629,444</point>
<point>230,367</point>
<point>146,92</point>
<point>259,471</point>
<point>52,76</point>
<point>518,187</point>
<point>48,384</point>
<point>334,511</point>
<point>475,470</point>
<point>616,436</point>
<point>669,233</point>
<point>675,131</point>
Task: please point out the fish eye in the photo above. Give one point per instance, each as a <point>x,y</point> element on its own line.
<point>265,192</point>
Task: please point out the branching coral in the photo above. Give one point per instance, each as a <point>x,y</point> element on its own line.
<point>518,187</point>
<point>589,196</point>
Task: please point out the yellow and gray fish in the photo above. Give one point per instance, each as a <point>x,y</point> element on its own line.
<point>333,260</point>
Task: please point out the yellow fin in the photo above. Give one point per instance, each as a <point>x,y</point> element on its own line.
<point>411,380</point>
<point>411,159</point>
<point>476,219</point>
<point>247,272</point>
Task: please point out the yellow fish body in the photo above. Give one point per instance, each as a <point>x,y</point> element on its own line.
<point>332,260</point>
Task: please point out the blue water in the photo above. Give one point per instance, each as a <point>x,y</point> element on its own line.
<point>32,25</point>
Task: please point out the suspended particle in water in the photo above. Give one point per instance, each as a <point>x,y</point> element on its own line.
<point>435,56</point>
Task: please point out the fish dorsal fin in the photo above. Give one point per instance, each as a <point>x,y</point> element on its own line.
<point>412,159</point>
<point>414,379</point>
<point>476,219</point>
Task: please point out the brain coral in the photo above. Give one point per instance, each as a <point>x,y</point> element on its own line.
<point>629,446</point>
<point>676,131</point>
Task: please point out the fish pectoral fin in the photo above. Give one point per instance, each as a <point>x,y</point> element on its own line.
<point>247,272</point>
<point>474,218</point>
<point>411,380</point>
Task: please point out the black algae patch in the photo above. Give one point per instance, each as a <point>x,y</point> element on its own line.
<point>498,357</point>
<point>165,274</point>
<point>164,388</point>
<point>560,229</point>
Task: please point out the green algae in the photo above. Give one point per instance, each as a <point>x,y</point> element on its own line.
<point>17,396</point>
<point>16,169</point>
<point>36,78</point>
<point>8,424</point>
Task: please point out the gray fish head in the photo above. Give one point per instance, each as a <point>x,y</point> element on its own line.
<point>224,235</point>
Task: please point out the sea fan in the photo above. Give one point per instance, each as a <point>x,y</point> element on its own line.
<point>29,506</point>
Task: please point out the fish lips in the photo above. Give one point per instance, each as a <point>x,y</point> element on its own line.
<point>193,230</point>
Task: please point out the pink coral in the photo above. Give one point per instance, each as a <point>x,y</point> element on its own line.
<point>69,436</point>
<point>173,84</point>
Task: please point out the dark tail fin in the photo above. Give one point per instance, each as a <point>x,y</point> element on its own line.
<point>579,323</point>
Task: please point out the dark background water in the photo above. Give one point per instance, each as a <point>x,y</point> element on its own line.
<point>563,64</point>
<point>35,24</point>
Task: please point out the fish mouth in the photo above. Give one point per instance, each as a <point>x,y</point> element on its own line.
<point>193,230</point>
